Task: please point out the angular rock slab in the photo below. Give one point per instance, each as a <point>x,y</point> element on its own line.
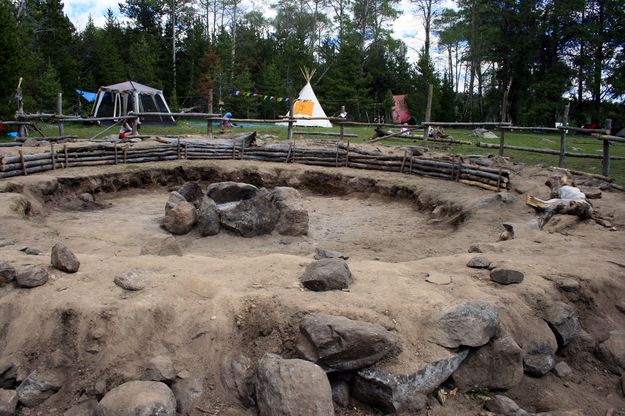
<point>403,393</point>
<point>180,219</point>
<point>504,406</point>
<point>250,217</point>
<point>174,199</point>
<point>340,343</point>
<point>327,274</point>
<point>497,365</point>
<point>563,321</point>
<point>208,217</point>
<point>224,192</point>
<point>188,392</point>
<point>506,276</point>
<point>191,192</point>
<point>37,387</point>
<point>612,352</point>
<point>64,259</point>
<point>7,273</point>
<point>32,276</point>
<point>167,246</point>
<point>138,398</point>
<point>293,219</point>
<point>539,360</point>
<point>8,402</point>
<point>471,324</point>
<point>292,387</point>
<point>159,368</point>
<point>322,253</point>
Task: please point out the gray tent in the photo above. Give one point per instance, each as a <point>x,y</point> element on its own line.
<point>119,99</point>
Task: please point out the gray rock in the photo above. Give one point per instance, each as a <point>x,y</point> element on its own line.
<point>340,343</point>
<point>497,365</point>
<point>130,281</point>
<point>250,217</point>
<point>475,248</point>
<point>563,321</point>
<point>562,369</point>
<point>506,197</point>
<point>539,361</point>
<point>138,398</point>
<point>158,246</point>
<point>224,192</point>
<point>403,393</point>
<point>188,393</point>
<point>322,253</point>
<point>208,217</point>
<point>506,276</point>
<point>174,199</point>
<point>292,387</point>
<point>86,197</point>
<point>612,352</point>
<point>191,192</point>
<point>8,374</point>
<point>31,251</point>
<point>479,262</point>
<point>32,276</point>
<point>238,373</point>
<point>8,402</point>
<point>504,406</point>
<point>293,218</point>
<point>471,324</point>
<point>180,219</point>
<point>64,259</point>
<point>84,408</point>
<point>37,387</point>
<point>340,392</point>
<point>438,278</point>
<point>327,274</point>
<point>159,368</point>
<point>7,273</point>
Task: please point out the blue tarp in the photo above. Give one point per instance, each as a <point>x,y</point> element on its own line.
<point>89,96</point>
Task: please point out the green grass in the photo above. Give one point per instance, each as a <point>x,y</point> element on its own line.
<point>577,144</point>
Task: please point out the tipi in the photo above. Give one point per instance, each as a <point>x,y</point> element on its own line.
<point>307,106</point>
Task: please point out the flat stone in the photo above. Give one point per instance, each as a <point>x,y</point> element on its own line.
<point>562,369</point>
<point>138,398</point>
<point>7,273</point>
<point>612,352</point>
<point>569,285</point>
<point>180,219</point>
<point>292,387</point>
<point>479,262</point>
<point>471,324</point>
<point>64,259</point>
<point>158,246</point>
<point>31,251</point>
<point>327,274</point>
<point>506,276</point>
<point>86,197</point>
<point>563,321</point>
<point>8,402</point>
<point>250,217</point>
<point>159,368</point>
<point>38,387</point>
<point>322,253</point>
<point>130,281</point>
<point>340,343</point>
<point>438,278</point>
<point>504,406</point>
<point>32,276</point>
<point>224,192</point>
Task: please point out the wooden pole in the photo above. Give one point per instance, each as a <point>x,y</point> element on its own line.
<point>22,161</point>
<point>289,135</point>
<point>209,127</point>
<point>59,112</point>
<point>565,121</point>
<point>178,148</point>
<point>502,141</point>
<point>342,133</point>
<point>606,151</point>
<point>428,114</point>
<point>135,109</point>
<point>347,155</point>
<point>52,156</point>
<point>115,148</point>
<point>66,156</point>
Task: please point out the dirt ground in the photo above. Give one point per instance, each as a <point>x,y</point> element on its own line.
<point>229,295</point>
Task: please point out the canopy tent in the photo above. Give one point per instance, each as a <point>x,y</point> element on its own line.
<point>307,106</point>
<point>119,99</point>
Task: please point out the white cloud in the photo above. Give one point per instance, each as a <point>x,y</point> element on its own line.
<point>79,10</point>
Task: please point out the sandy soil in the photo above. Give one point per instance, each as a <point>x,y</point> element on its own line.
<point>228,294</point>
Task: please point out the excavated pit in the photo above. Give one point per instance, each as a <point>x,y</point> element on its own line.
<point>229,296</point>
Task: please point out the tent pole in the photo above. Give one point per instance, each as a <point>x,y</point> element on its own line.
<point>156,105</point>
<point>160,94</point>
<point>135,121</point>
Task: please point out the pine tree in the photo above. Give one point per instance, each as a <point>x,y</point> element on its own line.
<point>9,64</point>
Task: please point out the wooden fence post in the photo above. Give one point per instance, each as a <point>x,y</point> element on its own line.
<point>22,162</point>
<point>504,112</point>
<point>52,156</point>
<point>209,127</point>
<point>342,127</point>
<point>565,122</point>
<point>428,114</point>
<point>502,140</point>
<point>59,112</point>
<point>289,134</point>
<point>606,150</point>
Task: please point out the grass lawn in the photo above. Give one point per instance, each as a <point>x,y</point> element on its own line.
<point>577,144</point>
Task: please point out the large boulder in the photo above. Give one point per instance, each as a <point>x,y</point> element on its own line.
<point>539,360</point>
<point>8,402</point>
<point>180,219</point>
<point>327,274</point>
<point>208,217</point>
<point>293,219</point>
<point>403,392</point>
<point>471,324</point>
<point>8,374</point>
<point>292,387</point>
<point>37,387</point>
<point>188,392</point>
<point>7,273</point>
<point>250,217</point>
<point>224,192</point>
<point>535,338</point>
<point>612,352</point>
<point>64,259</point>
<point>237,373</point>
<point>158,246</point>
<point>563,321</point>
<point>138,398</point>
<point>174,199</point>
<point>32,276</point>
<point>191,192</point>
<point>497,365</point>
<point>159,368</point>
<point>340,343</point>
